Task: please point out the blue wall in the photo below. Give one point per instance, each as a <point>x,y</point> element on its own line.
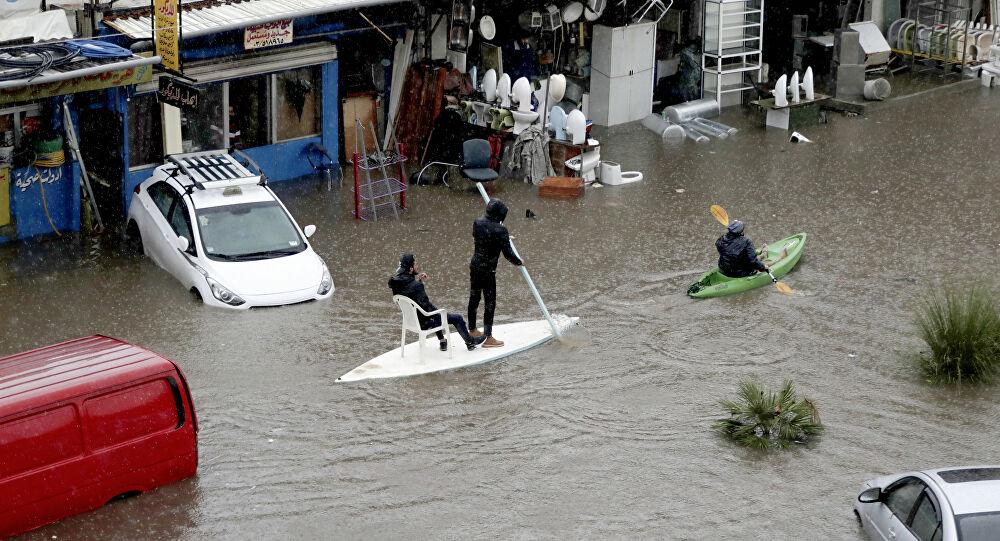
<point>280,161</point>
<point>62,198</point>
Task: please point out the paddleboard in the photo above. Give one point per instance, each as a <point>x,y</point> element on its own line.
<point>516,337</point>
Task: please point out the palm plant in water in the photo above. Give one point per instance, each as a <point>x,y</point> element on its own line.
<point>764,420</point>
<point>962,330</point>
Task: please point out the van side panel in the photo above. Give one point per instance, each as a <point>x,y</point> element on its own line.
<point>127,439</point>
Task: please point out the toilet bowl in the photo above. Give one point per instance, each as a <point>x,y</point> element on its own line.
<point>523,119</point>
<point>521,92</point>
<point>807,84</point>
<point>557,123</point>
<point>611,173</point>
<point>479,109</point>
<point>576,127</point>
<point>503,90</point>
<point>793,86</point>
<point>781,91</point>
<point>490,85</point>
<point>586,165</point>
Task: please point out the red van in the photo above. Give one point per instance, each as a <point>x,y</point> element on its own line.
<point>85,421</point>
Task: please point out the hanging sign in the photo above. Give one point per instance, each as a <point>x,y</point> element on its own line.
<point>95,81</point>
<point>267,34</point>
<point>175,92</point>
<point>167,33</point>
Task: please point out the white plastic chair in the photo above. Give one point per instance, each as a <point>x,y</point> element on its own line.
<point>412,323</point>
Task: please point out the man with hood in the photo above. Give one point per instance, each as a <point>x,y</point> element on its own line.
<point>737,256</point>
<point>408,282</point>
<point>491,240</point>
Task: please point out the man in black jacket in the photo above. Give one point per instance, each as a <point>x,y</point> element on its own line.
<point>737,256</point>
<point>491,239</point>
<point>408,282</point>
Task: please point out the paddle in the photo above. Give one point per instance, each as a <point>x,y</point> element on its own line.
<point>527,277</point>
<point>722,217</point>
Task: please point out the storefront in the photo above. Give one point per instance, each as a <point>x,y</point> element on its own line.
<point>270,88</point>
<point>40,178</point>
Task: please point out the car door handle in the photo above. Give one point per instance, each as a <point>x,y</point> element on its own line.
<point>892,533</point>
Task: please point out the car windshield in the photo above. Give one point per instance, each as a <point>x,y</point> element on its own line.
<point>978,526</point>
<point>248,232</point>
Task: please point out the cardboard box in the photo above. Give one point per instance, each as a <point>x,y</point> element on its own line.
<point>561,187</point>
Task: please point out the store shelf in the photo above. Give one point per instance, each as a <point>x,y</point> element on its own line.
<point>741,40</point>
<point>733,68</point>
<point>378,189</point>
<point>740,26</point>
<point>379,160</point>
<point>747,12</point>
<point>732,52</point>
<point>726,89</point>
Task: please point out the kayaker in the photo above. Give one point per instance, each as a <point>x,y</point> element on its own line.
<point>409,282</point>
<point>737,257</point>
<point>491,240</point>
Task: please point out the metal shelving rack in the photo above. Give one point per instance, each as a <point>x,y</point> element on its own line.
<point>947,26</point>
<point>731,46</point>
<point>384,192</point>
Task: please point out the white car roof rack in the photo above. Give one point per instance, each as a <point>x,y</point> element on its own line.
<point>216,169</point>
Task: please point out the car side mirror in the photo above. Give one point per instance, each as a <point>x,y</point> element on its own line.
<point>183,243</point>
<point>310,230</point>
<point>872,495</point>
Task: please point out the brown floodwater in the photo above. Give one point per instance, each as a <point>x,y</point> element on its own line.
<point>607,436</point>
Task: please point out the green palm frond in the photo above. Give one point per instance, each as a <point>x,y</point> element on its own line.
<point>760,419</point>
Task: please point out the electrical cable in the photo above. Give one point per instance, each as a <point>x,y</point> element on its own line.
<point>28,61</point>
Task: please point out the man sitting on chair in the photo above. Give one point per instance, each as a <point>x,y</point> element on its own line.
<point>408,282</point>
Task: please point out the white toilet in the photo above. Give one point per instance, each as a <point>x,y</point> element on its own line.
<point>586,164</point>
<point>523,115</point>
<point>781,91</point>
<point>557,123</point>
<point>490,85</point>
<point>503,90</point>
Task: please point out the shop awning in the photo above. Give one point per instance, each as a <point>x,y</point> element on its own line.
<point>209,71</point>
<point>221,16</point>
<point>80,76</point>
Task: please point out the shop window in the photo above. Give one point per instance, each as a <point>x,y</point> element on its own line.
<point>204,128</point>
<point>145,131</point>
<point>298,103</point>
<point>249,112</point>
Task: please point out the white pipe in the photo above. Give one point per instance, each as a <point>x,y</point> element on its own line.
<point>527,277</point>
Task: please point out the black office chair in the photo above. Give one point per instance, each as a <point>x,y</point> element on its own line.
<point>475,166</point>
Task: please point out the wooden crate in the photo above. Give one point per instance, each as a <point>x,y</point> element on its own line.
<point>561,187</point>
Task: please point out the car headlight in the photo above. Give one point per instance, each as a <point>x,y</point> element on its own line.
<point>220,292</point>
<point>326,283</point>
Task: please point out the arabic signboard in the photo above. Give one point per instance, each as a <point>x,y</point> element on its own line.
<point>175,92</point>
<point>123,77</point>
<point>167,33</point>
<point>267,34</point>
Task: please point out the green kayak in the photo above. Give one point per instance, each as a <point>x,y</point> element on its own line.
<point>781,257</point>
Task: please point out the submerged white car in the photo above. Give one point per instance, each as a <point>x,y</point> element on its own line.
<point>220,230</point>
<point>947,504</point>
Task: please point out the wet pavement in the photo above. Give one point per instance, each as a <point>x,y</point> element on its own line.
<point>609,435</point>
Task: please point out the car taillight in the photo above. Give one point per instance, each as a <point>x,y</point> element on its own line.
<point>136,190</point>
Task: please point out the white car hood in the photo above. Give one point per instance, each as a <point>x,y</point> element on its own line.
<point>269,276</point>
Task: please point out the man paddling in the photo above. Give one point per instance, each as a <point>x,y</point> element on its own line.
<point>491,240</point>
<point>737,257</point>
<point>408,282</point>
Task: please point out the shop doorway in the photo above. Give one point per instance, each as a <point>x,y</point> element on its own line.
<point>101,142</point>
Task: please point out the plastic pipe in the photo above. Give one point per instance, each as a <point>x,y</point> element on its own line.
<point>717,125</point>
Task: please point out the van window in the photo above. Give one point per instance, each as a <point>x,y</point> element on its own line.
<point>39,440</point>
<point>130,414</point>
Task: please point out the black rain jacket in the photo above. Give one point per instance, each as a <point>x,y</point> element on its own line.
<point>492,239</point>
<point>737,256</point>
<point>407,285</point>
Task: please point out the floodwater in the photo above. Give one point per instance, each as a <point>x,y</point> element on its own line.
<point>609,436</point>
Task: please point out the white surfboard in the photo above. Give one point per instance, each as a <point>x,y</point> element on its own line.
<point>412,361</point>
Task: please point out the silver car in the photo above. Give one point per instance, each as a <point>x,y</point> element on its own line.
<point>947,504</point>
